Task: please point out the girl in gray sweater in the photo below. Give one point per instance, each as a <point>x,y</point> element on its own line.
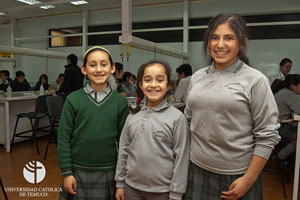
<point>154,145</point>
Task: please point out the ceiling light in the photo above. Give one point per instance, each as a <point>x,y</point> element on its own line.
<point>2,13</point>
<point>47,7</point>
<point>30,2</point>
<point>79,2</point>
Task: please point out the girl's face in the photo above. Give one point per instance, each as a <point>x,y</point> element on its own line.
<point>286,68</point>
<point>295,88</point>
<point>223,46</point>
<point>43,80</point>
<point>98,69</point>
<point>154,84</point>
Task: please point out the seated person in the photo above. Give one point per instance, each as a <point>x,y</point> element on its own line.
<point>288,103</point>
<point>43,80</point>
<point>20,83</point>
<point>184,73</point>
<point>6,81</point>
<point>127,88</point>
<point>59,81</point>
<point>285,67</point>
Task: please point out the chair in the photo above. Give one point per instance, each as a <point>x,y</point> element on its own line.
<point>282,143</point>
<point>55,106</point>
<point>34,117</point>
<point>3,190</point>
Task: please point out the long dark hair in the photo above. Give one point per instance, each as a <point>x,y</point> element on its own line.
<point>290,79</point>
<point>237,24</point>
<point>139,81</point>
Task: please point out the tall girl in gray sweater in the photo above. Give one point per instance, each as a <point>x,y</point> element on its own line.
<point>154,145</point>
<point>233,118</point>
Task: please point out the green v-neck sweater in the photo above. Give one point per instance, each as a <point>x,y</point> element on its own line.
<point>88,132</point>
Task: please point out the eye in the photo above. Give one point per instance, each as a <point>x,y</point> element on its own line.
<point>214,37</point>
<point>230,37</point>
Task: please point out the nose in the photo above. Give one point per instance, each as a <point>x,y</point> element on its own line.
<point>220,43</point>
<point>153,83</point>
<point>98,68</point>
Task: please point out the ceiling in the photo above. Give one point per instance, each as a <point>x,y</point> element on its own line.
<point>18,10</point>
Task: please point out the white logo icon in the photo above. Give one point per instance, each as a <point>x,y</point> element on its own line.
<point>34,172</point>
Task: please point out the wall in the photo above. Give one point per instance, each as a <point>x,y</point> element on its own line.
<point>264,54</point>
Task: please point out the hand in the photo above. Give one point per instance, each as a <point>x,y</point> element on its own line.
<point>70,184</point>
<point>237,189</point>
<point>120,194</point>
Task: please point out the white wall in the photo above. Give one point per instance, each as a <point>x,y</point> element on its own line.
<point>264,54</point>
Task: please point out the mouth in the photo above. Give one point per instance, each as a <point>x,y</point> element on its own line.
<point>153,92</point>
<point>221,53</point>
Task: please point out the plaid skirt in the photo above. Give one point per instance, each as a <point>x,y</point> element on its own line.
<point>92,185</point>
<point>205,185</point>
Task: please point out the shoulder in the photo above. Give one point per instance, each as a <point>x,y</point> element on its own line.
<point>253,74</point>
<point>76,95</point>
<point>119,97</point>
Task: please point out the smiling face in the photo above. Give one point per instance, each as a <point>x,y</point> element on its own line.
<point>98,69</point>
<point>154,84</point>
<point>223,46</point>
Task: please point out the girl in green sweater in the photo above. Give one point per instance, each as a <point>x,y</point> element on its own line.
<point>90,126</point>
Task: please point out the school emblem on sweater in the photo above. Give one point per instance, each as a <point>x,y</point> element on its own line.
<point>34,172</point>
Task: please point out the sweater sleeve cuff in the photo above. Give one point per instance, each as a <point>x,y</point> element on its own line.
<point>262,152</point>
<point>120,184</point>
<point>66,172</point>
<point>176,196</point>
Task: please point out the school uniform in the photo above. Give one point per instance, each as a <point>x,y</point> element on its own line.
<point>89,129</point>
<point>154,152</point>
<point>233,117</point>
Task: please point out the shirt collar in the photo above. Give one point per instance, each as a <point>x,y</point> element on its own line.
<point>164,104</point>
<point>89,90</point>
<point>233,68</point>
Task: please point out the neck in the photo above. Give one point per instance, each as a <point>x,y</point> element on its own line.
<point>99,88</point>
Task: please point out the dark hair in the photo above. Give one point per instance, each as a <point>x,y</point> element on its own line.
<point>290,79</point>
<point>19,73</point>
<point>285,60</point>
<point>45,77</point>
<point>97,49</point>
<point>186,69</point>
<point>5,72</point>
<point>73,59</point>
<point>61,75</point>
<point>118,66</point>
<point>126,75</point>
<point>140,75</point>
<point>237,24</point>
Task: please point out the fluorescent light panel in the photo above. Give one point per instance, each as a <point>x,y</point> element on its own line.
<point>47,7</point>
<point>79,2</point>
<point>30,2</point>
<point>2,13</point>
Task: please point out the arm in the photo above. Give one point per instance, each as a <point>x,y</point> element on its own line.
<point>65,130</point>
<point>241,185</point>
<point>264,114</point>
<point>181,149</point>
<point>64,147</point>
<point>125,141</point>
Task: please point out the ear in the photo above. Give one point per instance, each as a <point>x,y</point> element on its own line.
<point>113,69</point>
<point>83,69</point>
<point>245,44</point>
